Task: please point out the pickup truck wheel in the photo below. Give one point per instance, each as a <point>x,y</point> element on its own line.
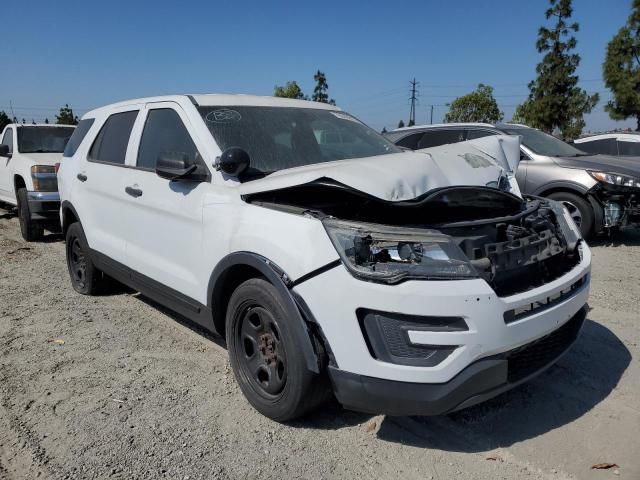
<point>579,209</point>
<point>267,362</point>
<point>31,231</point>
<point>85,277</point>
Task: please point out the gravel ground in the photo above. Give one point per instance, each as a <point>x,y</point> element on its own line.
<point>115,386</point>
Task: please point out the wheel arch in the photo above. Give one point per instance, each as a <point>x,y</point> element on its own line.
<point>69,216</point>
<point>238,267</point>
<point>18,182</point>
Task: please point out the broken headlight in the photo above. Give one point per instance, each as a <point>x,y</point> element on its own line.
<point>391,255</point>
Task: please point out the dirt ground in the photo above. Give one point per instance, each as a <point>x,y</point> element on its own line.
<point>115,386</point>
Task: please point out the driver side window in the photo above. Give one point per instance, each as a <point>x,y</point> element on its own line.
<point>164,132</point>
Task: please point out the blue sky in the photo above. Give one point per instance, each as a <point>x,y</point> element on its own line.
<point>89,53</point>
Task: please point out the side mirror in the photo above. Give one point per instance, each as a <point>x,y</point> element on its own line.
<point>233,161</point>
<point>174,166</point>
<point>4,151</point>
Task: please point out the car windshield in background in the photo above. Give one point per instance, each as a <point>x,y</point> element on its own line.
<point>277,138</point>
<point>43,139</point>
<point>543,143</point>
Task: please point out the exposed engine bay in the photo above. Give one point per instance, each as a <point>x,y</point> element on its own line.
<point>458,232</point>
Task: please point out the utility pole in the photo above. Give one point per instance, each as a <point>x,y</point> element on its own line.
<point>413,99</point>
<point>431,114</point>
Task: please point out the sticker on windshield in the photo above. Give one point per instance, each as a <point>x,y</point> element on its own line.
<point>223,115</point>
<point>344,116</point>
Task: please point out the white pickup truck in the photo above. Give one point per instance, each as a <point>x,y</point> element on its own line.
<point>29,159</point>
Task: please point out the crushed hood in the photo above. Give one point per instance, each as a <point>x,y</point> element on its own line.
<point>405,176</point>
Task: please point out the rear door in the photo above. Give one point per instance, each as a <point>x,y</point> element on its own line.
<point>100,184</point>
<point>165,230</point>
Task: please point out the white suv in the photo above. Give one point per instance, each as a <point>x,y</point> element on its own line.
<point>29,155</point>
<point>331,260</point>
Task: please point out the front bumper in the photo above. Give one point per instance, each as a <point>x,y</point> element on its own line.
<point>495,324</point>
<point>44,206</point>
<point>478,382</point>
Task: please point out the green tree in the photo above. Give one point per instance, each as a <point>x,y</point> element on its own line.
<point>290,90</point>
<point>66,116</point>
<point>46,120</point>
<point>320,91</point>
<point>621,69</point>
<point>400,124</point>
<point>4,120</point>
<point>384,130</point>
<point>555,100</point>
<point>477,106</point>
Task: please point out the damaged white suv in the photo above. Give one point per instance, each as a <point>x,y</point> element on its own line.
<point>331,260</point>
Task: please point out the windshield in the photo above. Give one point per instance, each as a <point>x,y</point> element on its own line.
<point>543,143</point>
<point>277,138</point>
<point>43,139</point>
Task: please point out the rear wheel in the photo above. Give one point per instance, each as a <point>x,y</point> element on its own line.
<point>267,362</point>
<point>31,231</point>
<point>579,209</point>
<point>85,277</point>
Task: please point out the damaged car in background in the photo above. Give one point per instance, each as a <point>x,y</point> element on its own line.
<point>601,192</point>
<point>405,283</point>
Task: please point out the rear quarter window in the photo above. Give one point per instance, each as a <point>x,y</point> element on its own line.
<point>77,136</point>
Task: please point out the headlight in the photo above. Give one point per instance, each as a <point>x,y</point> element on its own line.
<point>616,179</point>
<point>44,178</point>
<point>390,255</point>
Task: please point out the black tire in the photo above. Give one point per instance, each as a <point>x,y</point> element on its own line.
<point>31,231</point>
<point>85,277</point>
<point>579,208</point>
<point>267,362</point>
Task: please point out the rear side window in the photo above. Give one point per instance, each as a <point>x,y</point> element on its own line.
<point>606,146</point>
<point>471,134</point>
<point>435,138</point>
<point>628,149</point>
<point>110,145</point>
<point>164,133</point>
<point>410,141</point>
<point>77,136</point>
<point>8,139</point>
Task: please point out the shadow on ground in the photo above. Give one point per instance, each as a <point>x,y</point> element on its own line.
<point>584,377</point>
<point>626,237</point>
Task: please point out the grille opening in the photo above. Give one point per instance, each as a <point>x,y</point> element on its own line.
<point>530,358</point>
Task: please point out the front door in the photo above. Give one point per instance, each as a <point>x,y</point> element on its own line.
<point>165,230</point>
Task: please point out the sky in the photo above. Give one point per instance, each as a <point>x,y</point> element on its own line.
<point>89,54</point>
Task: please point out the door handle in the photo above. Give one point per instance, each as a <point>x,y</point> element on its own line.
<point>82,177</point>
<point>133,191</point>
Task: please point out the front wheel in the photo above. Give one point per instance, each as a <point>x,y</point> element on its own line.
<point>579,209</point>
<point>31,231</point>
<point>267,362</point>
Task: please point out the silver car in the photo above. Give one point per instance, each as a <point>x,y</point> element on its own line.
<point>601,192</point>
